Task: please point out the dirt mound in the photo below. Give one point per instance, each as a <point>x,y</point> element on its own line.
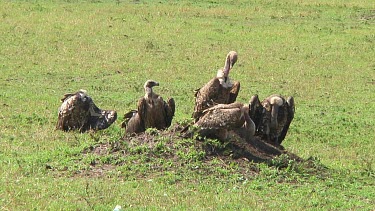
<point>251,149</point>
<point>157,148</point>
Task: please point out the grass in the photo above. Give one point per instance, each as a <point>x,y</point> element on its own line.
<point>319,51</point>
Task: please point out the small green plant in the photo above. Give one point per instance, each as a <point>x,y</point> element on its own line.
<point>152,131</point>
<point>282,161</point>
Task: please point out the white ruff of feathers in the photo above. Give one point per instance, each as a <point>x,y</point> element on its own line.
<point>220,76</point>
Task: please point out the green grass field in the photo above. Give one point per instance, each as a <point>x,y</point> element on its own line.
<point>321,52</point>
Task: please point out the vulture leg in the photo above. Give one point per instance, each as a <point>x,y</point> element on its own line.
<point>290,116</point>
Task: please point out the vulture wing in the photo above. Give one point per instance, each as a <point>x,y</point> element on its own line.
<point>169,107</point>
<point>256,111</point>
<point>213,93</point>
<point>222,116</point>
<point>205,97</point>
<point>234,92</point>
<point>67,95</point>
<point>78,111</point>
<point>74,112</point>
<point>103,121</point>
<point>100,119</point>
<point>219,120</point>
<point>127,117</point>
<point>290,109</point>
<point>134,122</point>
<point>142,109</point>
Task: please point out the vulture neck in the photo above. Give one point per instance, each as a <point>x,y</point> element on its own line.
<point>148,93</point>
<point>225,83</point>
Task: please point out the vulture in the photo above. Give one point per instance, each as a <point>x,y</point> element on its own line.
<point>272,116</point>
<point>219,90</point>
<point>219,120</point>
<point>152,112</point>
<point>79,112</point>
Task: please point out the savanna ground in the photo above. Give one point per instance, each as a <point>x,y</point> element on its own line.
<point>319,51</point>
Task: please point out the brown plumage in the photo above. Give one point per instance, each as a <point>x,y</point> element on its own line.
<point>79,112</point>
<point>133,122</point>
<point>219,90</point>
<point>272,116</point>
<point>152,112</point>
<point>218,120</point>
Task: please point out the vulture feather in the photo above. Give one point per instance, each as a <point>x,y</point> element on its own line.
<point>218,120</point>
<point>272,116</point>
<point>152,112</point>
<point>79,112</point>
<point>219,90</point>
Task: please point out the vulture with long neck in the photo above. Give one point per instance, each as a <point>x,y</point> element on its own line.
<point>219,120</point>
<point>219,90</point>
<point>79,112</point>
<point>152,112</point>
<point>272,116</point>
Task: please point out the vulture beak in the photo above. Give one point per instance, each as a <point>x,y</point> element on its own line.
<point>231,64</point>
<point>225,79</point>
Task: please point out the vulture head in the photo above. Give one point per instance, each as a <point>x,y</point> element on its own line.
<point>249,124</point>
<point>83,92</point>
<point>229,63</point>
<point>148,87</point>
<point>276,102</point>
<point>232,58</point>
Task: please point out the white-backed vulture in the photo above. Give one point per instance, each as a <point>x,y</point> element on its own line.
<point>220,119</point>
<point>152,112</point>
<point>219,90</point>
<point>272,116</point>
<point>79,112</point>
